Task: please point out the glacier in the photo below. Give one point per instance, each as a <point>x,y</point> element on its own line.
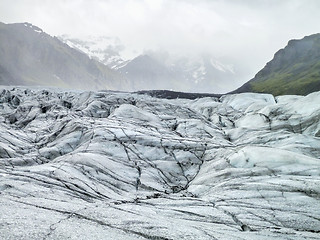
<point>117,165</point>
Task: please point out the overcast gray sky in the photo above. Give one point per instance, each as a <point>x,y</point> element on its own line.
<point>244,33</point>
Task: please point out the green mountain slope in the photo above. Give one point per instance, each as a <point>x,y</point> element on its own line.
<point>293,70</point>
<point>28,56</point>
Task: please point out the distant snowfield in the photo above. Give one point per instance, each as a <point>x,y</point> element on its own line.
<point>107,165</point>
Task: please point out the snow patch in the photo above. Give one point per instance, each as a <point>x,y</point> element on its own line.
<point>222,67</point>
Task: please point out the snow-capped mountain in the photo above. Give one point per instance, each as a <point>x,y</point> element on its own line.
<point>201,74</point>
<point>154,70</point>
<point>205,72</point>
<point>111,165</point>
<point>107,50</point>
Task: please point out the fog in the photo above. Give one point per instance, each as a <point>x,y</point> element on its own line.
<point>244,34</point>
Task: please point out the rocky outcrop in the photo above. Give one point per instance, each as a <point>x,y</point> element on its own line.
<point>91,165</point>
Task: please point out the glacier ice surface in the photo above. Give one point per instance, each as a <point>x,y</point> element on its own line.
<point>108,165</point>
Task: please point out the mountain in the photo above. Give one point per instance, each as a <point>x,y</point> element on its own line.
<point>158,70</point>
<point>29,56</point>
<point>201,74</point>
<point>148,73</point>
<point>116,165</point>
<point>101,48</point>
<point>293,70</point>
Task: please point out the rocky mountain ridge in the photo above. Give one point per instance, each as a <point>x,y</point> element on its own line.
<point>31,57</point>
<point>293,70</point>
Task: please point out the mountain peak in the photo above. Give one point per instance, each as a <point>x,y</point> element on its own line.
<point>33,27</point>
<point>31,57</point>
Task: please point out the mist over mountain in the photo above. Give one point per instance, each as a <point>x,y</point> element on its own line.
<point>29,56</point>
<point>293,70</point>
<point>107,50</point>
<point>201,74</point>
<point>151,70</point>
